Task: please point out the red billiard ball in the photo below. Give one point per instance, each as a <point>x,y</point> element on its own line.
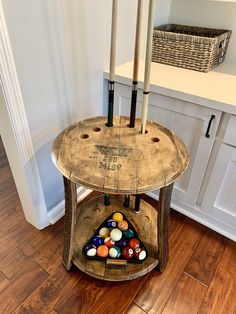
<point>140,254</point>
<point>109,242</point>
<point>134,244</point>
<point>127,252</point>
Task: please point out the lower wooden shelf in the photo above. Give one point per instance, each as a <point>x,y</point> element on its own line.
<point>91,215</point>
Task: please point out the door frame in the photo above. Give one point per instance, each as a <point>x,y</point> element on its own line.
<point>15,133</point>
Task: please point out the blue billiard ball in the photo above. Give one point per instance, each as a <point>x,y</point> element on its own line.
<point>111,224</point>
<point>97,241</point>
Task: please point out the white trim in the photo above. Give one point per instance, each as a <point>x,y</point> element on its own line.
<point>58,211</point>
<point>36,212</point>
<point>200,216</point>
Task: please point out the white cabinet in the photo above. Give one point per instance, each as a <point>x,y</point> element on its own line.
<point>220,195</point>
<point>189,121</point>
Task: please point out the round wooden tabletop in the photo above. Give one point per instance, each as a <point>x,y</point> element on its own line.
<point>119,159</point>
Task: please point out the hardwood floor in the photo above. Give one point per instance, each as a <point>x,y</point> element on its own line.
<point>200,276</point>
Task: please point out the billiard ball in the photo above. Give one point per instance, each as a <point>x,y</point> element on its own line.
<point>109,242</point>
<point>97,240</point>
<point>102,251</point>
<point>128,233</point>
<point>114,252</point>
<point>127,252</point>
<point>116,234</point>
<point>111,224</point>
<point>123,225</point>
<point>140,254</point>
<point>90,250</point>
<point>117,217</point>
<point>122,243</point>
<point>104,232</point>
<point>134,244</point>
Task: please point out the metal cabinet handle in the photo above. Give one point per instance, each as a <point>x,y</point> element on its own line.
<point>209,126</point>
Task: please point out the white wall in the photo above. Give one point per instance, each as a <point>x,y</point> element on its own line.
<point>162,12</point>
<point>61,49</point>
<point>210,14</point>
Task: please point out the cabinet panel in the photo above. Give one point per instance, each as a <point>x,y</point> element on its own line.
<point>230,133</point>
<point>220,195</point>
<point>188,121</point>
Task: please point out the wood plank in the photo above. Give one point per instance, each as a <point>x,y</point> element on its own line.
<point>13,216</point>
<point>134,309</point>
<point>158,288</point>
<point>79,296</point>
<point>21,287</point>
<point>46,246</point>
<point>186,297</point>
<point>175,223</point>
<point>91,295</point>
<point>9,197</point>
<point>220,297</point>
<point>163,226</point>
<point>15,263</point>
<point>15,236</point>
<point>4,281</point>
<point>206,257</point>
<point>118,297</point>
<point>44,298</point>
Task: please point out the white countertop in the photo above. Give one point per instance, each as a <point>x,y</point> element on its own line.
<point>214,89</point>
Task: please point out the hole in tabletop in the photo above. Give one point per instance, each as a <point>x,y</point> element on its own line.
<point>84,136</point>
<point>96,129</point>
<point>155,139</point>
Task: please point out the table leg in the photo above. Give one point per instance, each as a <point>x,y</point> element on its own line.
<point>69,221</point>
<point>163,226</point>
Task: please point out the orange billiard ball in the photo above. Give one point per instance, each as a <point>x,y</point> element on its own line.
<point>123,225</point>
<point>102,251</point>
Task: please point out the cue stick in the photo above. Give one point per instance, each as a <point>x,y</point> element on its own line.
<point>137,203</point>
<point>146,88</point>
<point>136,64</point>
<point>112,63</point>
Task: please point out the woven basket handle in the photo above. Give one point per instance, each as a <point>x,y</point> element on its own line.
<point>222,46</point>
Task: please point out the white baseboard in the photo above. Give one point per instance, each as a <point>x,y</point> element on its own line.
<point>58,211</point>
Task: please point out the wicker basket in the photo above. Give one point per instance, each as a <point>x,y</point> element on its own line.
<point>190,47</point>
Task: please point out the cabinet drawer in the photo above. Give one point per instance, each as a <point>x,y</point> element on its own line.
<point>230,133</point>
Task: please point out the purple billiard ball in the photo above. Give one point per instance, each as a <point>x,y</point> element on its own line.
<point>88,247</point>
<point>122,243</point>
<point>97,241</point>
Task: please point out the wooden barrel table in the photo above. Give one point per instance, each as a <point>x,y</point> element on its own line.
<point>118,160</point>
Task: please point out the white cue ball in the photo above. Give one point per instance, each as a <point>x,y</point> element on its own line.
<point>92,252</point>
<point>116,234</point>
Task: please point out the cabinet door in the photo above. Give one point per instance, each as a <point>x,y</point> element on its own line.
<point>189,121</point>
<point>220,196</point>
